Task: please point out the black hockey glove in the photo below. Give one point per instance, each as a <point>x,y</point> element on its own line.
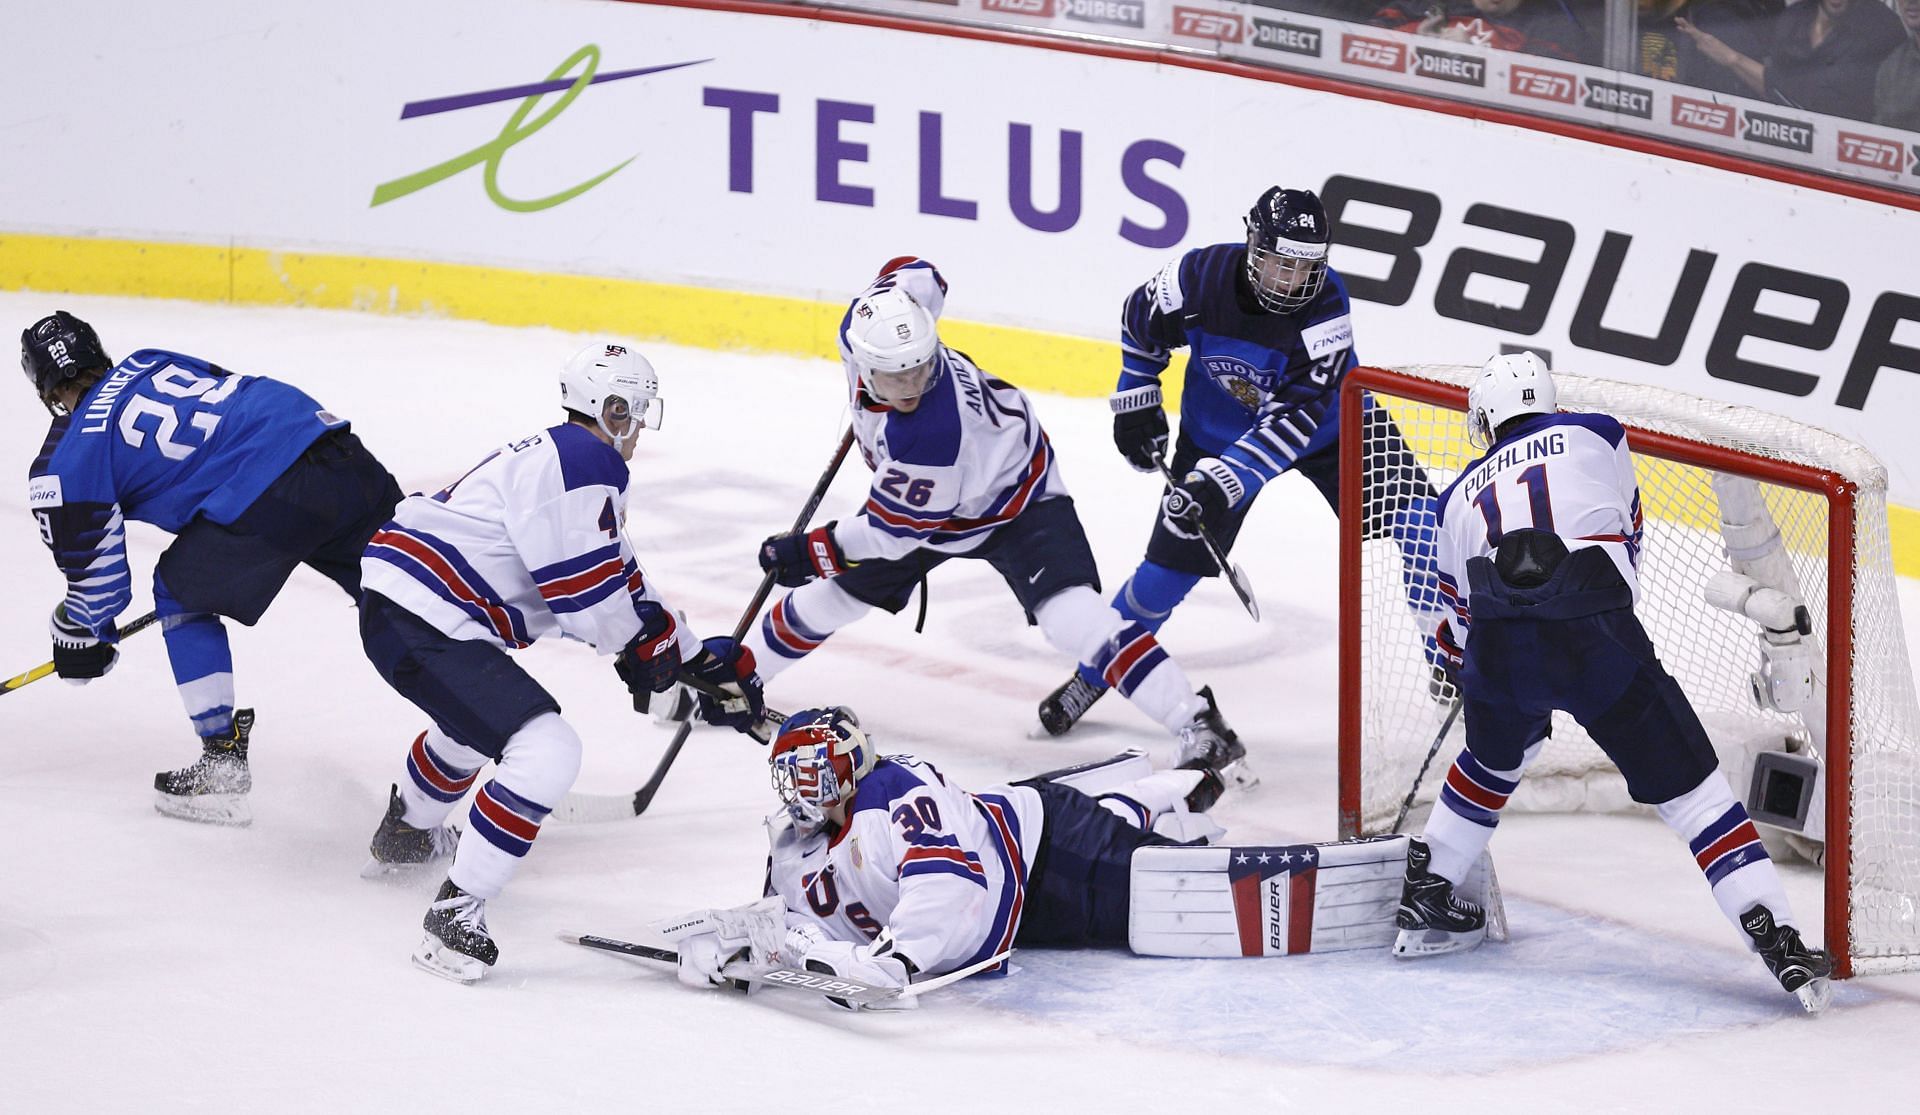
<point>727,667</point>
<point>1139,426</point>
<point>79,655</point>
<point>1202,498</point>
<point>651,662</point>
<point>794,559</point>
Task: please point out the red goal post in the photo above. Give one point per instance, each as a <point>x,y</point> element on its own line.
<point>1820,503</point>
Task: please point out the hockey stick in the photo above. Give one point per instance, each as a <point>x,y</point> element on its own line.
<point>38,672</point>
<point>595,807</point>
<point>1236,576</point>
<point>1440,737</point>
<point>743,975</point>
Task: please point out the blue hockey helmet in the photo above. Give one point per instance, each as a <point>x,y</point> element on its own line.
<point>57,349</point>
<point>1288,235</point>
<point>818,760</point>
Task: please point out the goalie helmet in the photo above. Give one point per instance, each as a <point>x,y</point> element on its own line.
<point>617,388</point>
<point>894,346</point>
<point>818,760</point>
<point>1509,386</point>
<point>1287,239</point>
<point>57,349</point>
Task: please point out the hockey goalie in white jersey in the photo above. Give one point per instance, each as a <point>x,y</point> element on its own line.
<point>962,468</point>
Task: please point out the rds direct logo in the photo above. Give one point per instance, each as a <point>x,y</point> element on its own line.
<point>518,129</point>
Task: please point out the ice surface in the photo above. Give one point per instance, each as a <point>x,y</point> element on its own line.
<point>147,964</point>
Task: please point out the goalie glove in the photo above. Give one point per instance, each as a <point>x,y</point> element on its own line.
<point>1202,498</point>
<point>875,965</point>
<point>1139,426</point>
<point>709,940</point>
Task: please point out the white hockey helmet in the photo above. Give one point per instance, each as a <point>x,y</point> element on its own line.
<point>894,345</point>
<point>1509,385</point>
<point>616,387</point>
<point>818,760</point>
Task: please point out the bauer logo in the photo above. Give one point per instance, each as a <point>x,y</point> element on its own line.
<point>1119,13</point>
<point>1627,100</point>
<point>1444,65</point>
<point>1286,37</point>
<point>1780,131</point>
<point>1202,23</point>
<point>1869,151</point>
<point>1039,9</point>
<point>1702,116</point>
<point>1378,54</point>
<point>569,79</point>
<point>1541,85</point>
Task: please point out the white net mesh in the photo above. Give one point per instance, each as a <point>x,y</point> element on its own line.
<point>1408,444</point>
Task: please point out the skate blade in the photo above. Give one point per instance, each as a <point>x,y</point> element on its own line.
<point>206,809</point>
<point>1414,943</point>
<point>1815,995</point>
<point>433,956</point>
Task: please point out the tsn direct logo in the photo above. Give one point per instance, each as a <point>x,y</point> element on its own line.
<point>1702,116</point>
<point>1377,54</point>
<point>1039,9</point>
<point>1541,85</point>
<point>1201,23</point>
<point>1870,151</point>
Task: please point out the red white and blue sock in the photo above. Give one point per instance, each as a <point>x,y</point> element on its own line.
<point>1727,848</point>
<point>536,769</point>
<point>798,623</point>
<point>1463,819</point>
<point>439,773</point>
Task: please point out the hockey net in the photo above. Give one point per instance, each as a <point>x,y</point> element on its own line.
<point>1404,435</point>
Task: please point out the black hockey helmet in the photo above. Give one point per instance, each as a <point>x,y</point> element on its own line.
<point>1287,239</point>
<point>59,348</point>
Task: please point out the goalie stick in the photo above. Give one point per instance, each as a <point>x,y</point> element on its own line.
<point>20,680</point>
<point>1235,576</point>
<point>600,807</point>
<point>744,976</point>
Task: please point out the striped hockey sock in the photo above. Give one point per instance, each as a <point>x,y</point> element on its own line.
<point>1727,848</point>
<point>202,669</point>
<point>1464,818</point>
<point>439,773</point>
<point>798,623</point>
<point>501,827</point>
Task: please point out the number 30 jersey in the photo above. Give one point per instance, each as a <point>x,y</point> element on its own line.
<point>163,438</point>
<point>944,869</point>
<point>966,461</point>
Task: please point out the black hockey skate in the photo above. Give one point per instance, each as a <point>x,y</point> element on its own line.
<point>1206,743</point>
<point>1432,919</point>
<point>457,945</point>
<point>1799,967</point>
<point>213,788</point>
<point>397,844</point>
<point>1064,707</point>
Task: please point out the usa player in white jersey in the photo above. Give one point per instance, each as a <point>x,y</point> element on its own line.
<point>962,468</point>
<point>530,542</point>
<point>1538,557</point>
<point>886,871</point>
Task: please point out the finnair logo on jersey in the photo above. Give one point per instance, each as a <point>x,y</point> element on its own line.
<point>1200,23</point>
<point>518,128</point>
<point>1702,116</point>
<point>1869,151</point>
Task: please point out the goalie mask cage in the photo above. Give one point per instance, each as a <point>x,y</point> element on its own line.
<point>1405,428</point>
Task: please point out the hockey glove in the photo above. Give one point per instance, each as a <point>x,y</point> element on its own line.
<point>1139,426</point>
<point>869,964</point>
<point>79,655</point>
<point>728,667</point>
<point>794,559</point>
<point>651,662</point>
<point>1202,499</point>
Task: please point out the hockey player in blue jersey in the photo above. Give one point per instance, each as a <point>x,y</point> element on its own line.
<point>252,477</point>
<point>530,543</point>
<point>1269,338</point>
<point>963,469</point>
<point>1538,561</point>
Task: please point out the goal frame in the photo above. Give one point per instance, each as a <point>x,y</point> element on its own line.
<point>1839,493</point>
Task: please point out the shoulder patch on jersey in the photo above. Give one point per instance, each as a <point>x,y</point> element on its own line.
<point>43,492</point>
<point>585,459</point>
<point>1324,338</point>
<point>1164,289</point>
<point>930,435</point>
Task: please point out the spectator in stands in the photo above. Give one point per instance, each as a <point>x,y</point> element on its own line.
<point>1669,54</point>
<point>1822,57</point>
<point>1530,26</point>
<point>1896,89</point>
